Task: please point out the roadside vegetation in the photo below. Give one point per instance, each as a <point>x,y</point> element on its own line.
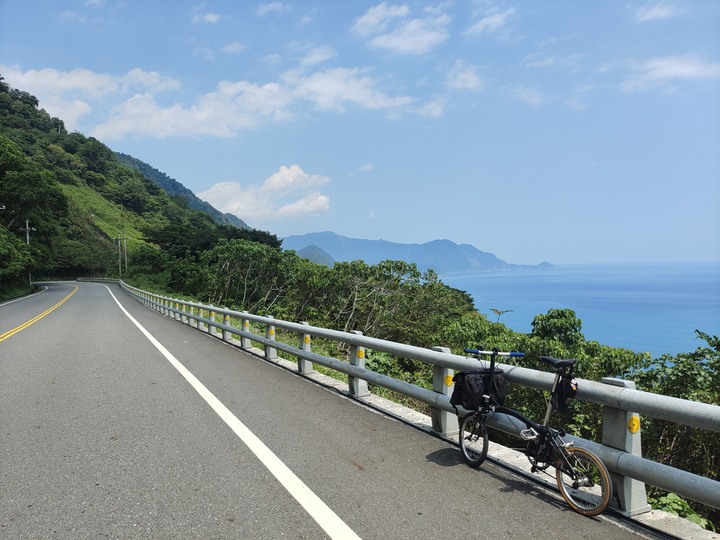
<point>69,208</point>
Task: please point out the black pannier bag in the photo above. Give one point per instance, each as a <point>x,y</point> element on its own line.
<point>470,386</point>
<point>564,393</point>
<point>469,389</point>
<point>499,384</point>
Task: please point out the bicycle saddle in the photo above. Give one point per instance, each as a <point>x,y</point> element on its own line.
<point>558,363</point>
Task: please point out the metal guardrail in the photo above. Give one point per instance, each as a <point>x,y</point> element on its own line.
<point>620,449</point>
<point>99,280</point>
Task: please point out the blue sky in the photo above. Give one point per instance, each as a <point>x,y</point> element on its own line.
<point>566,131</point>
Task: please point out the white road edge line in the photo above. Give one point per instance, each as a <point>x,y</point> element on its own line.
<point>24,297</point>
<point>318,510</point>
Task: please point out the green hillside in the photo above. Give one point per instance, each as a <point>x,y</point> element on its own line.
<point>173,187</point>
<point>73,198</point>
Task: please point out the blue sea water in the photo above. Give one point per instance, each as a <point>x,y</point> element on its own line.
<point>645,308</point>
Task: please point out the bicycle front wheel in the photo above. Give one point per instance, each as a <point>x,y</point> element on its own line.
<point>584,481</point>
<point>473,440</point>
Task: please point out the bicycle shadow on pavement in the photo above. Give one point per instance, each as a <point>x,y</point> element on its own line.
<point>505,476</point>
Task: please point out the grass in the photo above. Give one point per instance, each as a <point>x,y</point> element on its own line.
<point>10,292</point>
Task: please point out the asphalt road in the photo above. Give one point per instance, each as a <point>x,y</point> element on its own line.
<point>102,435</point>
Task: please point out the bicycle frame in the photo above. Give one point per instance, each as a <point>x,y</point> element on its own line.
<point>534,432</point>
<point>583,480</point>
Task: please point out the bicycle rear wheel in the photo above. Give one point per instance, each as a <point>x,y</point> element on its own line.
<point>473,440</point>
<point>585,484</point>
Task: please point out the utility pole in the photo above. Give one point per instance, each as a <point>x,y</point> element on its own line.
<point>27,230</point>
<point>122,246</point>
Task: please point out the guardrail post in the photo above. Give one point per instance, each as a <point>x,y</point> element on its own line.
<point>358,387</point>
<point>226,334</point>
<point>304,366</point>
<point>621,430</point>
<point>211,329</point>
<point>245,342</point>
<point>205,327</point>
<point>443,422</point>
<point>270,352</point>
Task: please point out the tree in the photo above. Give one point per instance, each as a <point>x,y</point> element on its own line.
<point>500,312</point>
<point>694,376</point>
<point>14,258</point>
<point>245,274</point>
<point>560,325</point>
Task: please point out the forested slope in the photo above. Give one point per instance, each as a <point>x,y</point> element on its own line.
<point>173,187</point>
<point>73,199</point>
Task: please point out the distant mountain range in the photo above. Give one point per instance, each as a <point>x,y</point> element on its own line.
<point>443,256</point>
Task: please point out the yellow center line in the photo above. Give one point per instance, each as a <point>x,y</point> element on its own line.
<point>24,325</point>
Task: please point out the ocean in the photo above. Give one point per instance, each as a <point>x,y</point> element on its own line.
<point>645,308</point>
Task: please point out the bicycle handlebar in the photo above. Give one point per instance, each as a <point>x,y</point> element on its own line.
<point>511,354</point>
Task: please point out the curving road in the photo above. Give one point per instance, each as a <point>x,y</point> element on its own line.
<point>117,422</point>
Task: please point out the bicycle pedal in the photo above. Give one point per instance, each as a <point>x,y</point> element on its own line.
<point>529,434</point>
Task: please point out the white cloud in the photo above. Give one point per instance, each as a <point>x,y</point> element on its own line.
<point>462,77</point>
<point>234,47</point>
<point>289,192</point>
<point>317,56</point>
<point>69,95</point>
<point>93,85</point>
<point>231,108</point>
<point>129,103</point>
<point>662,71</point>
<point>272,7</point>
<point>71,16</point>
<point>576,104</point>
<point>207,17</point>
<point>72,111</point>
<point>151,80</point>
<point>529,96</point>
<point>390,28</point>
<point>362,169</point>
<point>377,19</point>
<point>434,108</point>
<point>313,203</point>
<point>293,178</point>
<point>54,82</point>
<point>417,36</point>
<point>659,10</point>
<point>490,23</point>
<point>331,89</point>
<point>208,54</point>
